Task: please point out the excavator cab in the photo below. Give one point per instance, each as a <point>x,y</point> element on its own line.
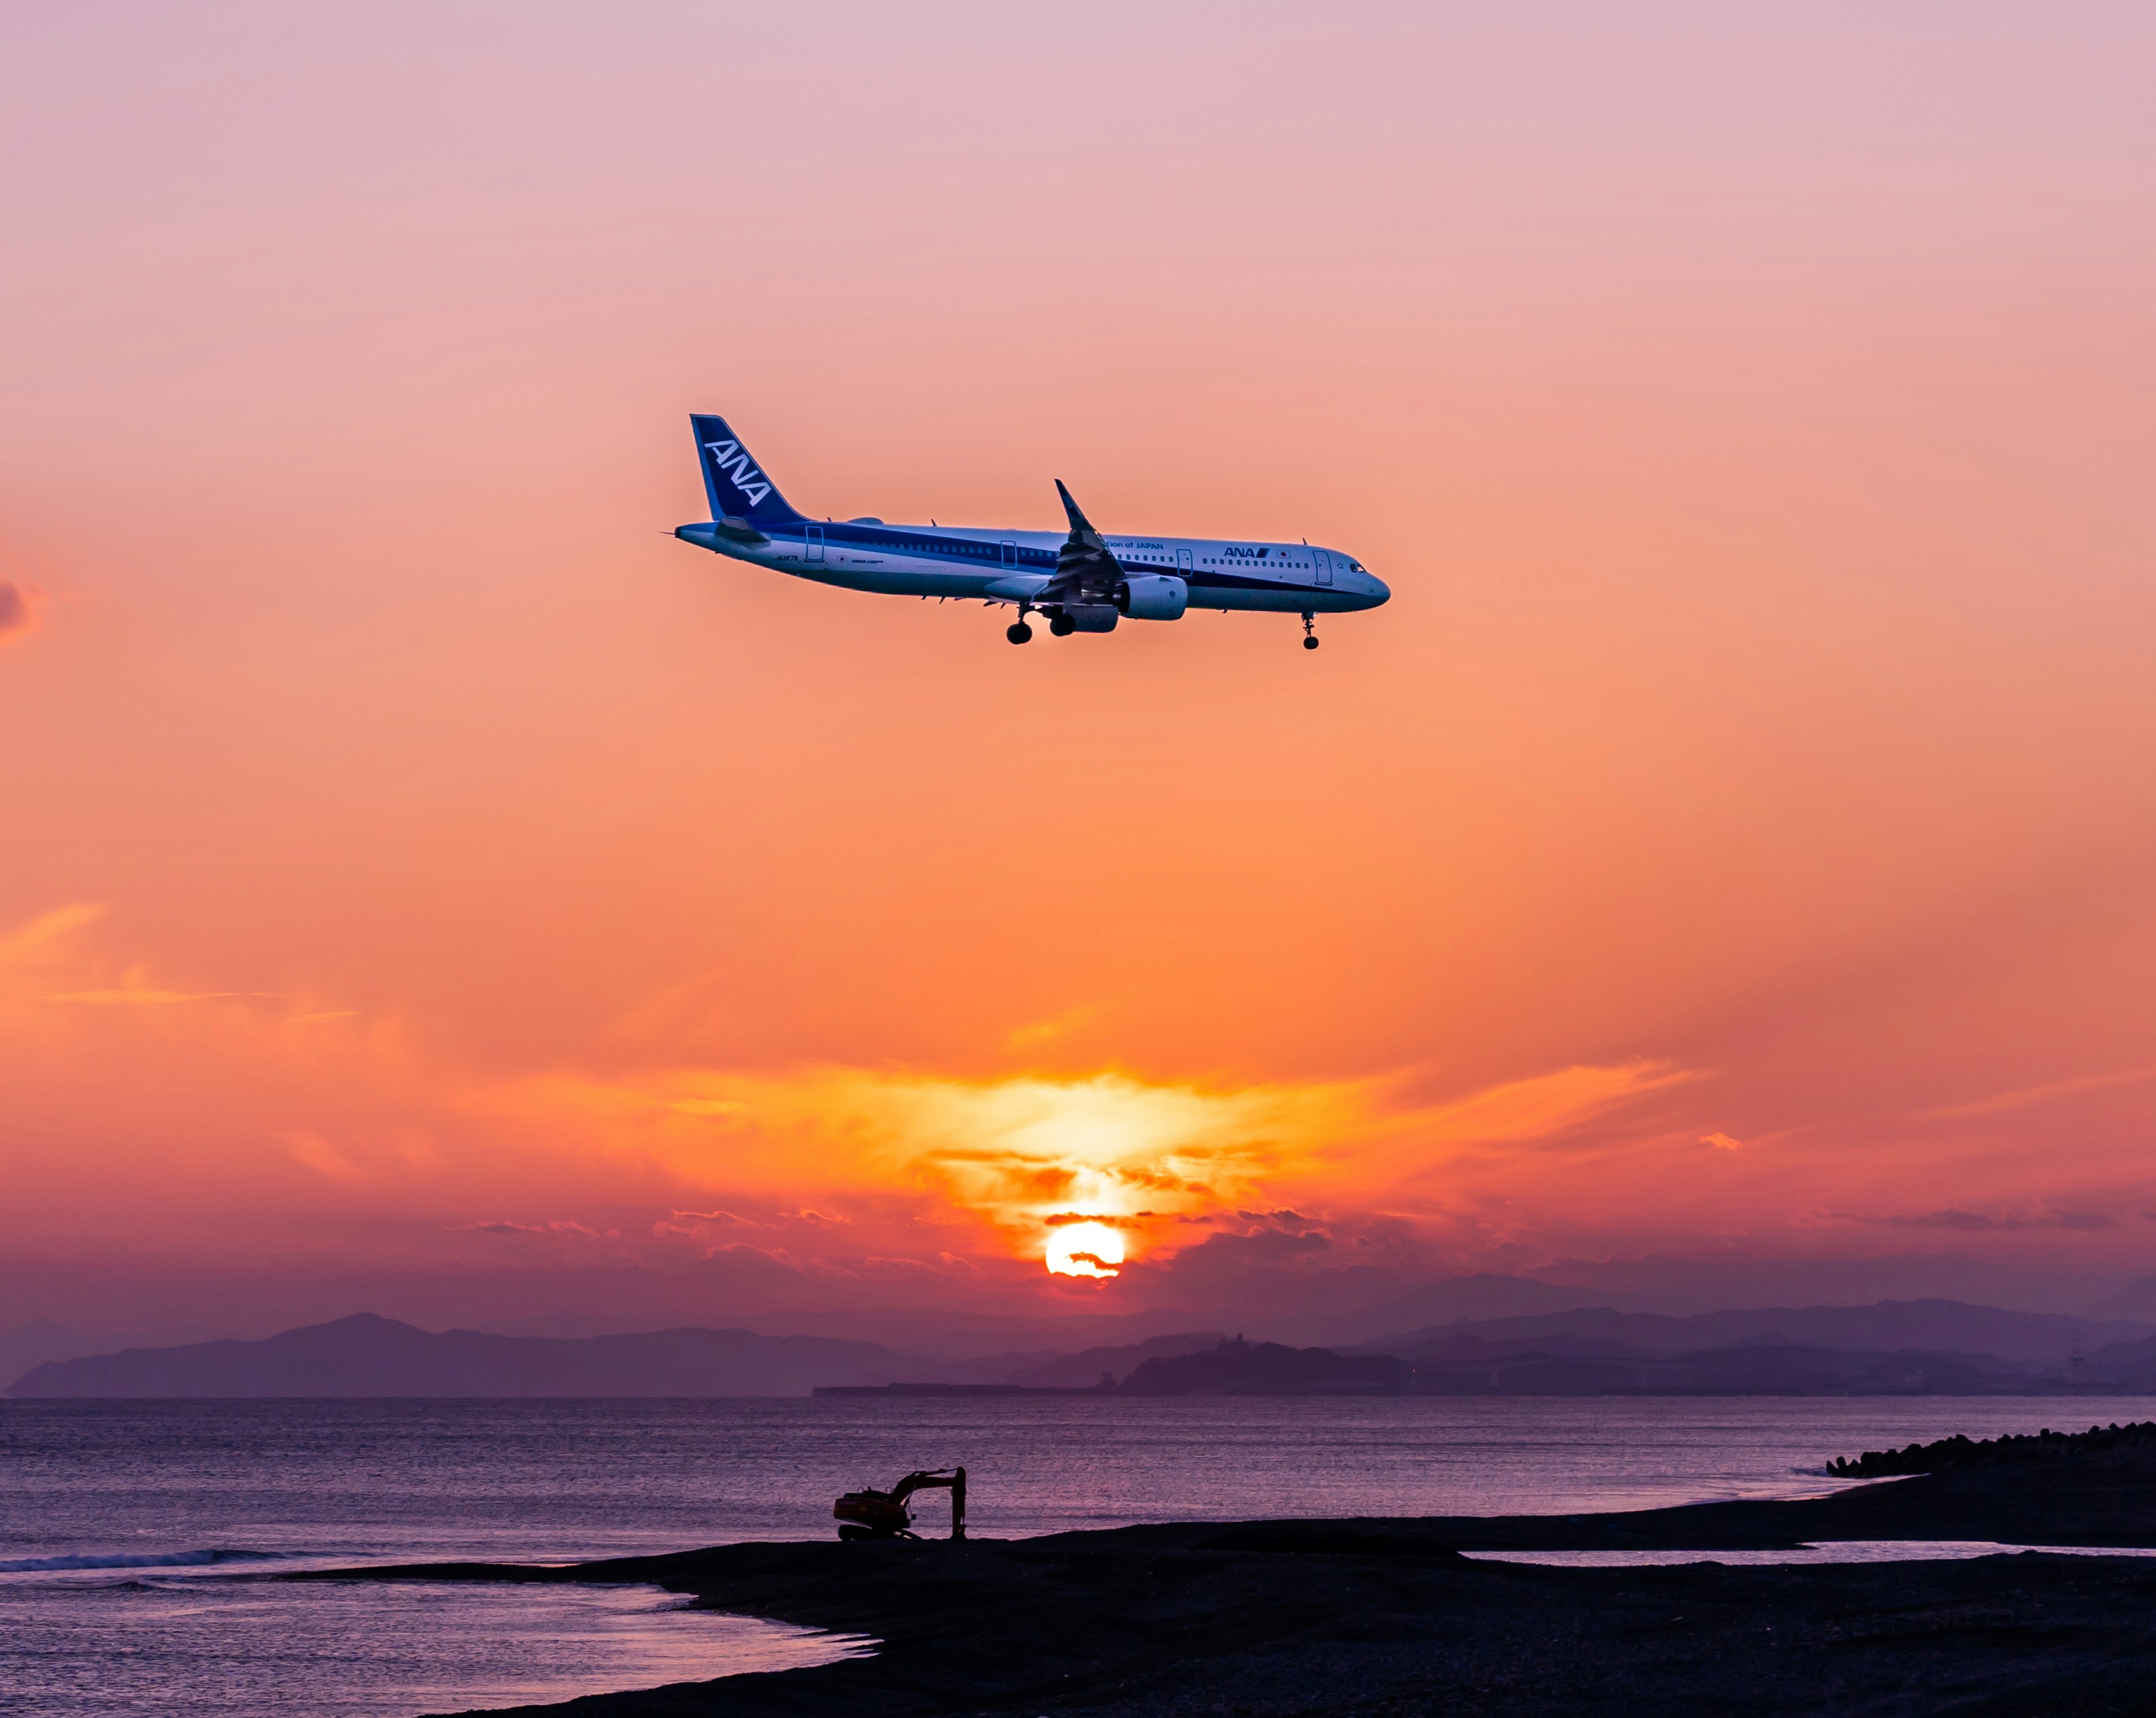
<point>870,1514</point>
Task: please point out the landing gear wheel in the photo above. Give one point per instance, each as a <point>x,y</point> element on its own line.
<point>1018,633</point>
<point>1309,633</point>
<point>1063,625</point>
<point>1310,643</point>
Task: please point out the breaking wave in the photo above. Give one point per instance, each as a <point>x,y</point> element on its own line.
<point>164,1560</point>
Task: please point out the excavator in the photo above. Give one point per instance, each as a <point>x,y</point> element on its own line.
<point>870,1514</point>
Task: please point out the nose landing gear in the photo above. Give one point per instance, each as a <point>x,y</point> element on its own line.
<point>1309,632</point>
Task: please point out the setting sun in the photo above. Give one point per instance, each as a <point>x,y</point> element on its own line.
<point>1085,1249</point>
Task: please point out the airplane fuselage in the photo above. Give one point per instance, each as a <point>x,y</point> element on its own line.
<point>1012,566</point>
<point>1082,580</point>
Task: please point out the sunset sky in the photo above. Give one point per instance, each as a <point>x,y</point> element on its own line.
<point>1725,873</point>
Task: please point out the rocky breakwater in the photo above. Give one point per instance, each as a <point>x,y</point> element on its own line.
<point>1950,1454</point>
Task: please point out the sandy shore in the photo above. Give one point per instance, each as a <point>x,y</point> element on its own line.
<point>1380,1616</point>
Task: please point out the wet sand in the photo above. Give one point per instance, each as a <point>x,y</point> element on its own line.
<point>1383,1616</point>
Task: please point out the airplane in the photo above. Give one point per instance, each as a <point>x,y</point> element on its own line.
<point>1083,581</point>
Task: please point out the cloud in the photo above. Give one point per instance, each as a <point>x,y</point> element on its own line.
<point>1545,1107</point>
<point>1954,1217</point>
<point>1015,1159</point>
<point>26,943</point>
<point>1722,1142</point>
<point>18,614</point>
<point>136,995</point>
<point>1041,1033</point>
<point>2043,1094</point>
<point>316,1153</point>
<point>557,1230</point>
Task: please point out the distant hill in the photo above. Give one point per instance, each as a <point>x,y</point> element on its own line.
<point>1086,1366</point>
<point>948,1335</point>
<point>2129,1366</point>
<point>41,1340</point>
<point>1485,1295</point>
<point>366,1356</point>
<point>1898,1347</point>
<point>1933,1327</point>
<point>2136,1302</point>
<point>1240,1368</point>
<point>1755,1369</point>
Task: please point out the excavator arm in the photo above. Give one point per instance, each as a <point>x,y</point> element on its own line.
<point>952,1479</point>
<point>870,1514</point>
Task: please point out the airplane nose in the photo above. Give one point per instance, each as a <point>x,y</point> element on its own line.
<point>1380,592</point>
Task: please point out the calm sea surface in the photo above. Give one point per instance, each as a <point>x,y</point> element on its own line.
<point>130,1532</point>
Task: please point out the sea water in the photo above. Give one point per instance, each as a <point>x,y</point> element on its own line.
<point>133,1535</point>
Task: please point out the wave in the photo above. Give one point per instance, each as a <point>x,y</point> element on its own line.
<point>163,1560</point>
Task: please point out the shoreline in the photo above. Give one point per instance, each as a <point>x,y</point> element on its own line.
<point>1383,1616</point>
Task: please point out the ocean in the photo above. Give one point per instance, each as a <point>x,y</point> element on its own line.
<point>133,1534</point>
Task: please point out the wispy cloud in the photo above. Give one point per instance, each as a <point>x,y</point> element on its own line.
<point>313,1152</point>
<point>27,941</point>
<point>560,1229</point>
<point>1954,1217</point>
<point>1027,1155</point>
<point>1544,1107</point>
<point>1040,1033</point>
<point>2042,1094</point>
<point>148,996</point>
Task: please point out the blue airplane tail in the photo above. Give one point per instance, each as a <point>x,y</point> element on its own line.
<point>737,487</point>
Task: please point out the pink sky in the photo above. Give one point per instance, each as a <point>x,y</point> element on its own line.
<point>1723,871</point>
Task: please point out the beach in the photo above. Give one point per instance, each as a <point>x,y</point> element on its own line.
<point>1384,1615</point>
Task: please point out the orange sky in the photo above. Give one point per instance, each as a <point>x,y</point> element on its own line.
<point>1723,873</point>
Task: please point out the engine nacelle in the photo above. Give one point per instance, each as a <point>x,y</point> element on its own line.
<point>1154,596</point>
<point>1090,617</point>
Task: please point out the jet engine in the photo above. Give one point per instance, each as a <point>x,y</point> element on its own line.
<point>1154,596</point>
<point>1090,617</point>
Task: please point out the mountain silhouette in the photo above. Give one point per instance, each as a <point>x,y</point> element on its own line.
<point>365,1355</point>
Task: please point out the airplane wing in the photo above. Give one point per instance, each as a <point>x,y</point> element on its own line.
<point>1086,571</point>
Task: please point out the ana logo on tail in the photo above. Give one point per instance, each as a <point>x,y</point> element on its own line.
<point>732,463</point>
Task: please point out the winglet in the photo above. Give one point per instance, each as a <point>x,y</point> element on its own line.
<point>1079,522</point>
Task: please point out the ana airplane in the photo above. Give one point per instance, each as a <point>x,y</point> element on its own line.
<point>1083,581</point>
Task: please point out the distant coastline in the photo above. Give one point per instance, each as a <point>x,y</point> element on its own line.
<point>1888,1349</point>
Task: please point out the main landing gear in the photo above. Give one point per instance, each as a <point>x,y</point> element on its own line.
<point>1059,623</point>
<point>1309,632</point>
